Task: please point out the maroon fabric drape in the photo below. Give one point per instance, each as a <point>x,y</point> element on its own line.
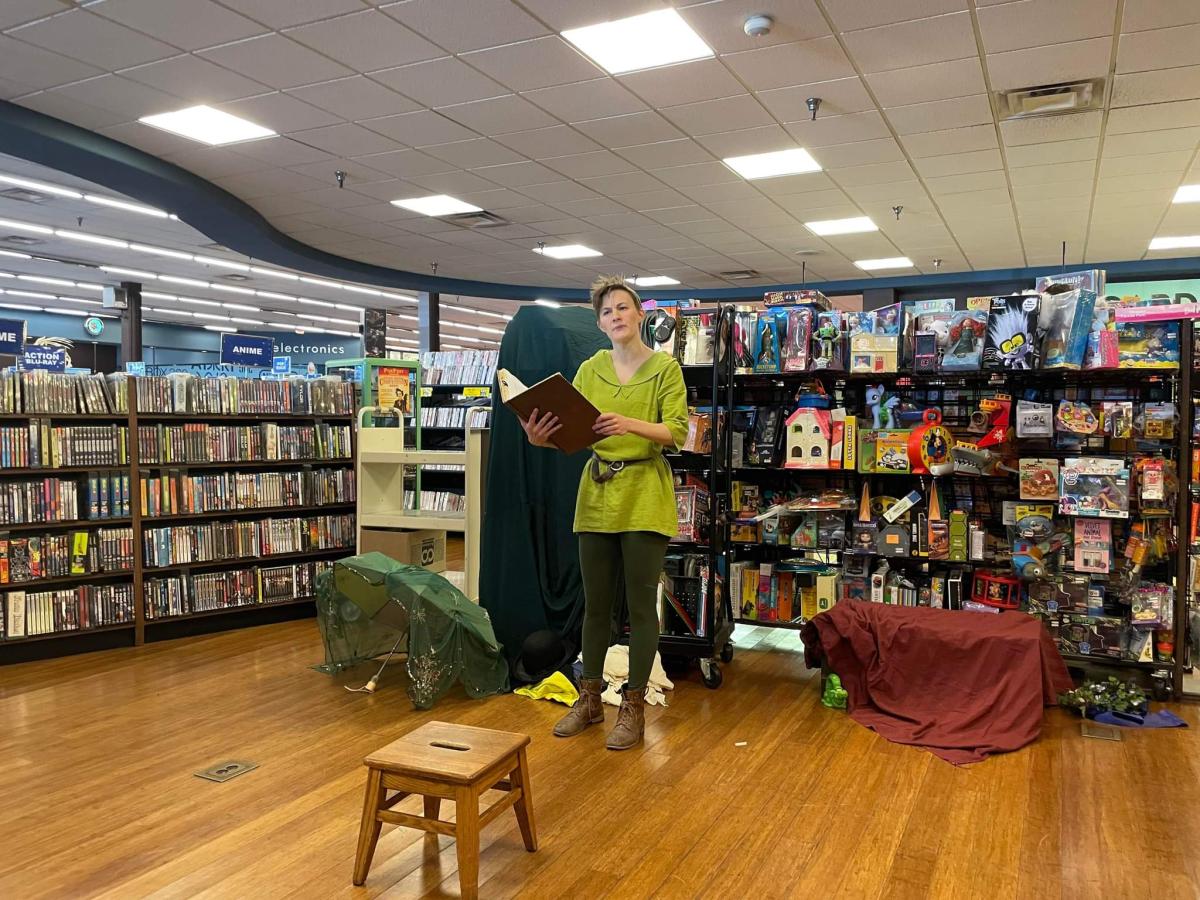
<point>961,684</point>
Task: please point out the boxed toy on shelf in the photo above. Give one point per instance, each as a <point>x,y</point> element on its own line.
<point>1094,487</point>
<point>1011,340</point>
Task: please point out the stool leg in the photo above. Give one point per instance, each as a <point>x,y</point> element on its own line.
<point>524,806</point>
<point>466,834</point>
<point>368,831</point>
<point>433,808</point>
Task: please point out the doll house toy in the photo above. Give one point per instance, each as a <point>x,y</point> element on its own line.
<point>808,439</point>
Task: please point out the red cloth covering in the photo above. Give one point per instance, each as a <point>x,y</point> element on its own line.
<point>961,684</point>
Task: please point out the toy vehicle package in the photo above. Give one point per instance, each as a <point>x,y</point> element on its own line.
<point>1011,341</point>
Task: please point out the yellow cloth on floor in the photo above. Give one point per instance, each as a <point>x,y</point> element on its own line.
<point>557,688</point>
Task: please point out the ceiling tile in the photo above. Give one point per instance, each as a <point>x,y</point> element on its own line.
<point>280,112</point>
<point>941,115</point>
<point>277,61</point>
<point>785,185</point>
<point>1161,48</point>
<point>666,153</point>
<point>499,115</point>
<point>656,200</point>
<point>913,43</point>
<point>628,130</point>
<point>729,191</point>
<point>128,99</point>
<point>557,192</point>
<point>564,14</point>
<point>55,103</point>
<point>623,183</point>
<point>705,79</point>
<point>88,38</point>
<point>19,12</point>
<point>720,23</point>
<point>517,174</point>
<point>860,153</point>
<point>766,139</point>
<point>365,41</point>
<point>194,79</point>
<point>474,153</point>
<point>346,140</point>
<point>862,126</point>
<point>849,15</point>
<point>588,165</point>
<point>957,140</point>
<point>731,113</point>
<point>276,151</point>
<point>1146,182</point>
<point>419,129</point>
<point>440,82</point>
<point>406,163</point>
<point>697,174</point>
<point>589,206</point>
<point>1079,150</point>
<point>268,182</point>
<point>39,68</point>
<point>1083,170</point>
<point>188,24</point>
<point>357,174</point>
<point>903,191</point>
<point>1033,23</point>
<point>1142,14</point>
<point>543,143</point>
<point>282,13</point>
<point>959,163</point>
<point>785,65</point>
<point>457,184</point>
<point>461,25</point>
<point>1074,61</point>
<point>354,98</point>
<point>1051,128</point>
<point>1151,141</point>
<point>1179,114</point>
<point>838,98</point>
<point>936,81</point>
<point>539,63</point>
<point>970,181</point>
<point>1159,86</point>
<point>586,100</point>
<point>879,173</point>
<point>1176,162</point>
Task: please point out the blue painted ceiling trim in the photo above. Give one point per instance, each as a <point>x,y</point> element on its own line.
<point>224,218</point>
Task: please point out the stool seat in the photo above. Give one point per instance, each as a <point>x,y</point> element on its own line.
<point>459,754</point>
<point>443,761</point>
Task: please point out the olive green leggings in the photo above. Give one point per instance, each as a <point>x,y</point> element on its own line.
<point>635,557</point>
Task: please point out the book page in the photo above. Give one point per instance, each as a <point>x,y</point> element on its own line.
<point>510,385</point>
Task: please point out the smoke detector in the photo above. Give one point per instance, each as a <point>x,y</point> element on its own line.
<point>758,26</point>
<point>1051,99</point>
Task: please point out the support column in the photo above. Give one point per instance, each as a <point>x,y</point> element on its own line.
<point>131,323</point>
<point>429,319</point>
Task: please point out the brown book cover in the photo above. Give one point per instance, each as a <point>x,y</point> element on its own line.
<point>557,395</point>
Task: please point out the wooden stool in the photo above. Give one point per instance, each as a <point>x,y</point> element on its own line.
<point>441,761</point>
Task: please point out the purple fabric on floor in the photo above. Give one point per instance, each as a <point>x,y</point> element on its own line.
<point>1161,719</point>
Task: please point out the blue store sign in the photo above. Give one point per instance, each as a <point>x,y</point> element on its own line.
<point>12,336</point>
<point>244,350</point>
<point>52,359</point>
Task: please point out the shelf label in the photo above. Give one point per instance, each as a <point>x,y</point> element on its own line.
<point>51,359</point>
<point>246,350</point>
<point>12,336</point>
<point>282,365</point>
<point>135,368</point>
<point>426,392</point>
<point>477,392</point>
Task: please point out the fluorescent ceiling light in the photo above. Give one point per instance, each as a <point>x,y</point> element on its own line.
<point>211,316</point>
<point>191,282</point>
<point>90,238</point>
<point>349,308</point>
<point>1175,243</point>
<point>437,205</point>
<point>274,273</point>
<point>15,255</point>
<point>553,304</point>
<point>242,307</point>
<point>85,286</point>
<point>1188,193</point>
<point>232,289</point>
<point>160,251</point>
<point>219,328</point>
<point>795,161</point>
<point>132,273</point>
<point>207,125</point>
<point>66,312</point>
<point>272,296</point>
<point>154,295</point>
<point>80,300</point>
<point>60,282</point>
<point>319,283</point>
<point>128,207</point>
<point>362,290</point>
<point>41,186</point>
<point>25,226</point>
<point>401,297</point>
<point>567,251</point>
<point>640,42</point>
<point>286,326</point>
<point>24,306</point>
<point>196,301</point>
<point>655,280</point>
<point>307,302</point>
<point>223,263</point>
<point>34,294</point>
<point>892,262</point>
<point>855,225</point>
<point>246,321</point>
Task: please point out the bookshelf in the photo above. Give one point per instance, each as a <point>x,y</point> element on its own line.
<point>190,499</point>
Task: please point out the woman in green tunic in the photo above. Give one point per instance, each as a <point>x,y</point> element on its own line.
<point>625,511</point>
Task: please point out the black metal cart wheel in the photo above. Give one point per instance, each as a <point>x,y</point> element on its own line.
<point>710,674</point>
<point>727,653</point>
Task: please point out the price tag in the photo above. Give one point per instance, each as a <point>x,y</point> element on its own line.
<point>426,392</point>
<point>477,392</point>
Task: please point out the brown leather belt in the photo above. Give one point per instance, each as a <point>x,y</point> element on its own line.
<point>602,470</point>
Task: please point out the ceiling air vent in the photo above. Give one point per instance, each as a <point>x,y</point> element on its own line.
<point>21,240</point>
<point>1051,99</point>
<point>739,274</point>
<point>233,276</point>
<point>24,195</point>
<point>481,219</point>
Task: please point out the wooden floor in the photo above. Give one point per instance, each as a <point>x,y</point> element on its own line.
<point>97,795</point>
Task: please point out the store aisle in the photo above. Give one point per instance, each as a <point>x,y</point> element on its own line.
<point>100,800</point>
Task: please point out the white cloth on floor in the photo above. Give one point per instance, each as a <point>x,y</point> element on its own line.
<point>616,671</point>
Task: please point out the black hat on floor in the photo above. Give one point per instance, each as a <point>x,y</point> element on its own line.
<point>542,653</point>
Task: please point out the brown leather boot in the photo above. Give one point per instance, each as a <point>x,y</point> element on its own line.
<point>631,720</point>
<point>588,709</point>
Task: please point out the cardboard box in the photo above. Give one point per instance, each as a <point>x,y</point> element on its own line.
<point>414,548</point>
<point>873,353</point>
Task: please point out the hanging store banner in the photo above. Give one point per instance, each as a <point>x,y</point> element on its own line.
<point>244,350</point>
<point>51,359</point>
<point>12,336</point>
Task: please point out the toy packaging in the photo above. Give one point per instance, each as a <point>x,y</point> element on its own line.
<point>1084,635</point>
<point>745,327</point>
<point>925,352</point>
<point>1150,605</point>
<point>696,329</point>
<point>808,439</point>
<point>964,347</point>
<point>1093,545</point>
<point>1065,319</point>
<point>796,298</point>
<point>1148,345</point>
<point>1074,417</point>
<point>765,442</point>
<point>1102,346</point>
<point>1094,487</point>
<point>860,323</point>
<point>1087,279</point>
<point>891,452</point>
<point>797,338</point>
<point>1157,421</point>
<point>828,342</point>
<point>767,351</point>
<point>1011,341</point>
<point>873,353</point>
<point>1116,418</point>
<point>1034,419</point>
<point>1039,479</point>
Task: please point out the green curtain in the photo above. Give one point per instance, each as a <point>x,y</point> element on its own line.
<point>529,573</point>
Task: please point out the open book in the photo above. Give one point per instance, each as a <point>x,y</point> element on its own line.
<point>557,395</point>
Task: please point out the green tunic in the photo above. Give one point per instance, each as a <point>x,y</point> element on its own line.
<point>641,497</point>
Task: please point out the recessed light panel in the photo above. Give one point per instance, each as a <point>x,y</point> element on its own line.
<point>892,262</point>
<point>796,161</point>
<point>640,42</point>
<point>856,225</point>
<point>1175,243</point>
<point>655,281</point>
<point>567,251</point>
<point>208,126</point>
<point>1188,193</point>
<point>437,205</point>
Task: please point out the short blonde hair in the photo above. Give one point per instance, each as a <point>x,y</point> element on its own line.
<point>605,285</point>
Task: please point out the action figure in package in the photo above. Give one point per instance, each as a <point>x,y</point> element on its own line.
<point>1065,319</point>
<point>767,351</point>
<point>829,342</point>
<point>797,338</point>
<point>1012,333</point>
